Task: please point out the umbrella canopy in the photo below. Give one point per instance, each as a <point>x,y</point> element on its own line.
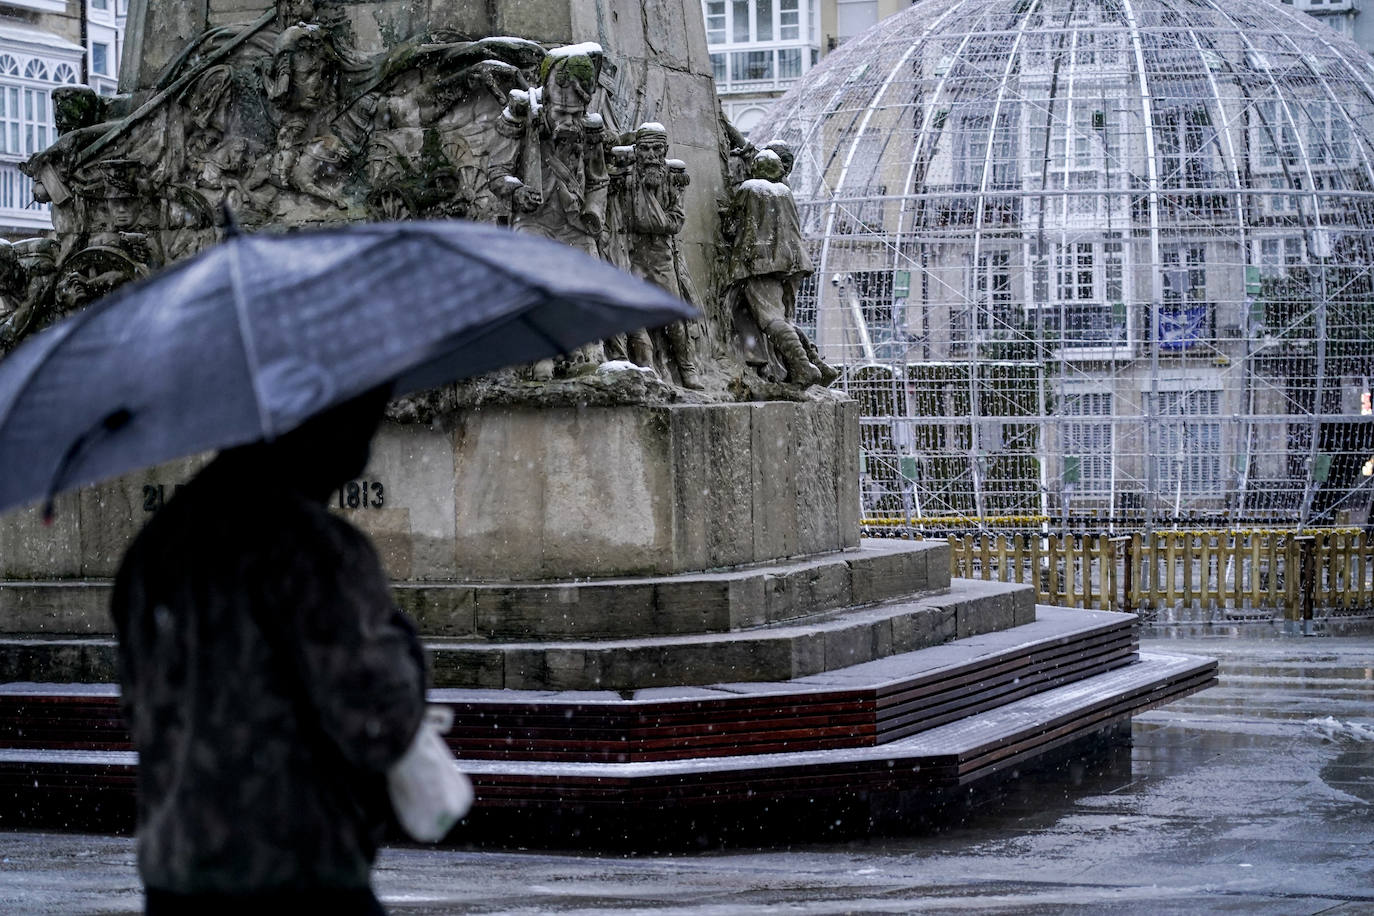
<point>253,336</point>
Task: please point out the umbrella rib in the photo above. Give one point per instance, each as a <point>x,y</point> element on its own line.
<point>250,351</point>
<point>542,334</point>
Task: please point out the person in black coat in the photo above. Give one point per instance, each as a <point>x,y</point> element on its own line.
<point>268,680</point>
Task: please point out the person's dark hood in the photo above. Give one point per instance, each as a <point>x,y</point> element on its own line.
<point>315,458</point>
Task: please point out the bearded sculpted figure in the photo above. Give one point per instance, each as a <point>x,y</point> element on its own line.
<point>551,166</point>
<point>654,215</point>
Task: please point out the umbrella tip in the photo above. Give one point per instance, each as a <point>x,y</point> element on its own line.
<point>231,225</point>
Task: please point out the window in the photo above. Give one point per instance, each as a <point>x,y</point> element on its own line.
<point>100,58</point>
<point>854,16</point>
<point>1185,318</point>
<point>1088,444</point>
<point>1075,270</point>
<point>789,20</point>
<point>100,4</point>
<point>1082,287</point>
<point>1278,256</point>
<point>970,139</point>
<point>1181,136</point>
<point>763,20</point>
<point>755,21</point>
<point>1185,273</point>
<point>25,120</point>
<point>751,65</point>
<point>1286,201</point>
<point>1272,134</point>
<point>1114,269</point>
<point>992,290</point>
<point>789,63</point>
<point>26,117</point>
<point>872,291</point>
<point>37,120</point>
<point>1188,451</point>
<point>973,148</point>
<point>739,21</point>
<point>715,22</point>
<point>1328,132</point>
<point>764,24</point>
<point>748,118</point>
<point>11,121</point>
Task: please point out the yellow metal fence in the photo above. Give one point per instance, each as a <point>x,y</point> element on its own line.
<point>1259,571</point>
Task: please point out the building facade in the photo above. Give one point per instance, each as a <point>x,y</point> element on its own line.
<point>45,44</point>
<point>1342,15</point>
<point>761,47</point>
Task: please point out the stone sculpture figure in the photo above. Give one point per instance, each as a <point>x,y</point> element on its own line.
<point>436,117</point>
<point>303,87</point>
<point>550,163</point>
<point>552,166</point>
<point>768,261</point>
<point>654,215</point>
<point>615,232</point>
<point>282,122</point>
<point>13,288</point>
<point>28,270</point>
<point>77,113</point>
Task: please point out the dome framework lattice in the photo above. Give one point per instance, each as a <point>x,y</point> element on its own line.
<point>1100,259</point>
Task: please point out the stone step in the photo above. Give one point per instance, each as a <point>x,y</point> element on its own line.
<point>80,788</point>
<point>688,603</point>
<point>872,703</point>
<point>708,602</point>
<point>772,652</point>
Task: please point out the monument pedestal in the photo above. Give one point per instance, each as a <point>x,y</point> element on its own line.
<point>632,610</point>
<point>510,494</point>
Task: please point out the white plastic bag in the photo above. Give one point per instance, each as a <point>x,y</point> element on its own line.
<point>428,792</point>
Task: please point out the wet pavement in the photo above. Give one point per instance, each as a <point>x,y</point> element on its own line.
<point>1256,796</point>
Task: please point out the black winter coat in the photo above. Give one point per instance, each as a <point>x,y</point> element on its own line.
<point>268,682</point>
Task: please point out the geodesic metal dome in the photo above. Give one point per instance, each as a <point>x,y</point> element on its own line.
<point>1095,259</point>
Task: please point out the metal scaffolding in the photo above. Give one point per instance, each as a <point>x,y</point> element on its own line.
<point>1099,264</point>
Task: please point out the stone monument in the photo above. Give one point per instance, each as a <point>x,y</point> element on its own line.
<point>664,523</point>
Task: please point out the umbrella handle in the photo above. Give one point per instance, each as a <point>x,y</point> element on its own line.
<point>112,422</point>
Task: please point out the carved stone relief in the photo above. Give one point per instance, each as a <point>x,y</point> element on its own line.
<point>281,122</point>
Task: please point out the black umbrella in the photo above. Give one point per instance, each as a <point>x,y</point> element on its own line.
<point>252,337</point>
